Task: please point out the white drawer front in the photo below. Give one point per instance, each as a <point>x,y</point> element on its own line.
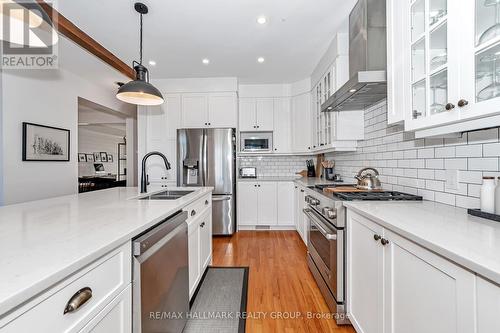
<point>195,209</point>
<point>107,277</point>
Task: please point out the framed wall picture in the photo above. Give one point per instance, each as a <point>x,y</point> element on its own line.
<point>45,143</point>
<point>110,158</point>
<point>82,157</point>
<point>97,157</point>
<point>104,157</point>
<point>90,157</point>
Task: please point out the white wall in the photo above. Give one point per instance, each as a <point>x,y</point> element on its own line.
<point>90,142</point>
<point>50,97</point>
<point>131,129</point>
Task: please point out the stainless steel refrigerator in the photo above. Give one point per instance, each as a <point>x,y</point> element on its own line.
<point>207,157</point>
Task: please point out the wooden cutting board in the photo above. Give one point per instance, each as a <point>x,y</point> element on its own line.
<point>343,189</point>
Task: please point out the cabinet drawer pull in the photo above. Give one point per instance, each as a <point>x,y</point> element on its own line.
<point>206,202</point>
<point>78,299</point>
<point>449,106</point>
<point>377,237</point>
<point>193,212</point>
<point>384,241</point>
<point>202,224</point>
<point>462,103</point>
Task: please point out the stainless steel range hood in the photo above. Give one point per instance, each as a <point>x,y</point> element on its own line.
<point>367,59</point>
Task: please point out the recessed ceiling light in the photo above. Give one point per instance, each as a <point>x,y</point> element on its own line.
<point>261,20</point>
<point>152,62</point>
<point>261,59</point>
<point>205,61</point>
<point>352,90</point>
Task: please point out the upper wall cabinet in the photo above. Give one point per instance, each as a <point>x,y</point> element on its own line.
<point>212,110</point>
<point>453,76</point>
<point>256,114</point>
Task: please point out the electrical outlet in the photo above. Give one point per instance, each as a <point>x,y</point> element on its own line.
<point>451,179</point>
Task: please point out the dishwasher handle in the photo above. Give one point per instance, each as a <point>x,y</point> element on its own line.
<point>155,234</point>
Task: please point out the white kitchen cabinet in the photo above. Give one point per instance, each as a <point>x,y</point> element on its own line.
<point>247,203</point>
<point>488,306</point>
<point>452,78</point>
<point>206,239</point>
<point>282,126</point>
<point>266,203</point>
<point>109,278</point>
<point>199,243</point>
<point>256,114</point>
<point>296,204</point>
<point>222,110</point>
<point>397,62</point>
<point>115,317</point>
<point>394,283</point>
<point>285,203</point>
<point>194,110</point>
<point>301,220</point>
<point>301,123</point>
<point>209,110</point>
<point>365,271</point>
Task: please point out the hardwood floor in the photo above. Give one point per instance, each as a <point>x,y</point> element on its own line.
<point>279,281</point>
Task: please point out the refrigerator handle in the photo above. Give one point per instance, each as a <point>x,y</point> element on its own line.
<point>204,159</point>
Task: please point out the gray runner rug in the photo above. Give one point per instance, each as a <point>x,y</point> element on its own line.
<point>220,302</point>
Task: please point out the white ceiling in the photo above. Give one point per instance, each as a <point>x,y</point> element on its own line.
<point>180,33</point>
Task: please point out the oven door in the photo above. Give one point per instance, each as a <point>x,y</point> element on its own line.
<point>327,251</point>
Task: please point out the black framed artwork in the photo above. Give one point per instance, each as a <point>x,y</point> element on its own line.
<point>90,157</point>
<point>104,157</point>
<point>110,158</point>
<point>82,157</point>
<point>97,157</point>
<point>45,143</point>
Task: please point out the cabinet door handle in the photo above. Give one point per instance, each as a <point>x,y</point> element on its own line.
<point>202,224</point>
<point>78,299</point>
<point>193,212</point>
<point>206,202</point>
<point>384,241</point>
<point>449,106</point>
<point>462,103</point>
<point>377,237</point>
<point>302,191</point>
<point>416,114</point>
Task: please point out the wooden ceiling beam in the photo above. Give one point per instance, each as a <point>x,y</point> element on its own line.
<point>71,31</point>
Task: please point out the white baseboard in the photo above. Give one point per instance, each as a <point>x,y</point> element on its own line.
<point>266,228</point>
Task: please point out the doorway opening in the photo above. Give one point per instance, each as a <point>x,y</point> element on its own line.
<point>107,147</point>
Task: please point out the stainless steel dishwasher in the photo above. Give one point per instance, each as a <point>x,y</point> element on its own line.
<point>160,277</point>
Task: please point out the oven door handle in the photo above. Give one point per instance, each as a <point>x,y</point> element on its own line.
<point>319,224</point>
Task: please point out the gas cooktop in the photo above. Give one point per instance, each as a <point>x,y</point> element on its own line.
<point>370,195</point>
<point>377,196</point>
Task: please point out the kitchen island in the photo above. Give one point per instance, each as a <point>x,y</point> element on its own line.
<point>45,242</point>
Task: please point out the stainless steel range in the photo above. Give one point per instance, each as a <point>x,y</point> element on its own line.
<point>326,255</point>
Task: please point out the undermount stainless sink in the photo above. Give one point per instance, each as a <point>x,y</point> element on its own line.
<point>166,195</point>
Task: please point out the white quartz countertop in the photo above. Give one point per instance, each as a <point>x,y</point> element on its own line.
<point>45,241</point>
<point>306,181</point>
<point>470,241</point>
<point>269,179</point>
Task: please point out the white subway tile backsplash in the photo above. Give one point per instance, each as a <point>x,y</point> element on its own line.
<point>469,151</point>
<point>484,164</point>
<point>419,165</point>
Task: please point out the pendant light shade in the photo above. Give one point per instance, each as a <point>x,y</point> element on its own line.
<point>140,91</point>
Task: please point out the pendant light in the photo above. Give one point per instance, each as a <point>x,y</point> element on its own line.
<point>140,91</point>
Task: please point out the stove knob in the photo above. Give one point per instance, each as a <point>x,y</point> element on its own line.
<point>314,202</point>
<point>330,213</point>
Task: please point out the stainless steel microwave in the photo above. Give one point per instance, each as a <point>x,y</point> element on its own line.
<point>253,142</point>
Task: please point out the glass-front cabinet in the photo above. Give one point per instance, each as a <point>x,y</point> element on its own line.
<point>454,70</point>
<point>323,121</point>
<point>434,62</point>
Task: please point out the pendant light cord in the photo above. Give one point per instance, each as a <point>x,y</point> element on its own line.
<point>140,46</point>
